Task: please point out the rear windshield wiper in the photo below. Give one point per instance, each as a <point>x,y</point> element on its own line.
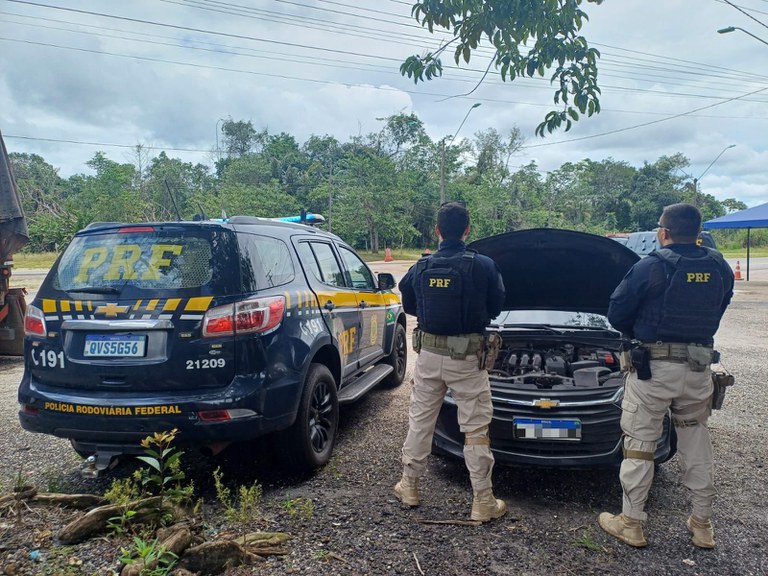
<point>96,290</point>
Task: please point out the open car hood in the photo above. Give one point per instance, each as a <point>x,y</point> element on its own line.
<point>551,269</point>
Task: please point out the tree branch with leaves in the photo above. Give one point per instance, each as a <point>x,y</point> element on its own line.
<point>529,37</point>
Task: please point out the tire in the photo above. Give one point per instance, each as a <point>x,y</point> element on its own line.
<point>309,442</point>
<point>398,359</point>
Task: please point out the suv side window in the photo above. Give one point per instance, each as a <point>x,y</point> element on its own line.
<point>319,258</point>
<point>360,275</point>
<point>266,261</point>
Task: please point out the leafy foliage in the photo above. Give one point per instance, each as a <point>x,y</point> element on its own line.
<point>376,190</point>
<point>530,37</point>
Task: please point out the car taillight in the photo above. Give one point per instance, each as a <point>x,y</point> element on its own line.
<point>248,316</point>
<point>219,321</point>
<point>34,322</point>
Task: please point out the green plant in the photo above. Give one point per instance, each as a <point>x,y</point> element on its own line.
<point>166,475</point>
<point>588,542</point>
<point>245,508</point>
<point>123,492</point>
<point>18,489</point>
<point>120,525</point>
<point>153,559</point>
<point>298,506</point>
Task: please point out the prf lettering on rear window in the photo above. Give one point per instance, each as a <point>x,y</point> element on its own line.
<point>121,260</point>
<point>698,276</point>
<point>439,282</point>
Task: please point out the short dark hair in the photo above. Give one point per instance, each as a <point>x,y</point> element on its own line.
<point>452,220</point>
<point>682,220</point>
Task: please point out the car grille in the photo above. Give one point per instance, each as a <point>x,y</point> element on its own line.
<point>598,410</point>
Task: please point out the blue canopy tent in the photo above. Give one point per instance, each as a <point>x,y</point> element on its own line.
<point>756,217</point>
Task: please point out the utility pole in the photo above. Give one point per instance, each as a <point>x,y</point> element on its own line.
<point>696,180</point>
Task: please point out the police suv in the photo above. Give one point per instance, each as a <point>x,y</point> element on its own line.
<point>226,330</point>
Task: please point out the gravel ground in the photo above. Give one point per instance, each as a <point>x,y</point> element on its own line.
<point>356,526</point>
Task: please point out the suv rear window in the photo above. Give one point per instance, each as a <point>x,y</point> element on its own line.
<point>267,262</point>
<point>145,259</point>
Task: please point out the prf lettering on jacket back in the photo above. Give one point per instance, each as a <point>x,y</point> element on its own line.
<point>698,276</point>
<point>122,261</point>
<point>439,282</point>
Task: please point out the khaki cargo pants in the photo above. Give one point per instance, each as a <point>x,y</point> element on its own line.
<point>433,375</point>
<point>688,393</point>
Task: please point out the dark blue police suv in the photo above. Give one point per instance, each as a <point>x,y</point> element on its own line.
<point>225,330</point>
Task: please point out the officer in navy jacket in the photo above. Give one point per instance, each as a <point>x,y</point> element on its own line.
<point>454,294</point>
<point>672,302</point>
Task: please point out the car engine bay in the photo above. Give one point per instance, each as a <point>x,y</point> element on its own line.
<point>555,365</point>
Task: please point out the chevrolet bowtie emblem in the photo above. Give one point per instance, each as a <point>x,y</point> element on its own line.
<point>111,310</point>
<point>546,403</point>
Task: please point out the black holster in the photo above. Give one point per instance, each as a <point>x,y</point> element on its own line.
<point>721,380</point>
<point>641,362</point>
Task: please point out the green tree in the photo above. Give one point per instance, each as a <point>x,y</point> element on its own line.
<point>529,37</point>
<point>170,185</point>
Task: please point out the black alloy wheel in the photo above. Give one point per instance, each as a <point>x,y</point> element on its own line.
<point>398,358</point>
<point>309,442</point>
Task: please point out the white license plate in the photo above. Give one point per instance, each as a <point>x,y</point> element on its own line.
<point>544,429</point>
<point>114,346</point>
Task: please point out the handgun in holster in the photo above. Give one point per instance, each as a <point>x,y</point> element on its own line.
<point>721,380</point>
<point>490,351</point>
<point>641,362</point>
<point>416,340</point>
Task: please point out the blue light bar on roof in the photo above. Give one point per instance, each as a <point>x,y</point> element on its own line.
<point>310,219</point>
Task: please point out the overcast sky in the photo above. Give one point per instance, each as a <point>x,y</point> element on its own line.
<point>163,73</point>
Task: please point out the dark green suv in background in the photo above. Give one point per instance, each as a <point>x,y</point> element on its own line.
<point>226,330</point>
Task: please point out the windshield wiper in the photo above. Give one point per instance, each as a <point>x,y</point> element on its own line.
<point>547,327</point>
<point>96,290</point>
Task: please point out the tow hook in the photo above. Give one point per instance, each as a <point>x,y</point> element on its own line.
<point>97,463</point>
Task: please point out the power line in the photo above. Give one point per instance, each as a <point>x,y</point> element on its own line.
<point>104,144</point>
<point>644,124</point>
<point>303,46</point>
<point>345,64</point>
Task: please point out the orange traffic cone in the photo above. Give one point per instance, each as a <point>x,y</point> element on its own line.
<point>388,255</point>
<point>737,272</point>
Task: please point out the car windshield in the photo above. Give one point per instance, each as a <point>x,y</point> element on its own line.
<point>551,318</point>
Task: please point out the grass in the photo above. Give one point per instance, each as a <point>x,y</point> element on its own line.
<point>742,253</point>
<point>404,254</point>
<point>43,260</point>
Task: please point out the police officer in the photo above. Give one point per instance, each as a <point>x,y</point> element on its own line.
<point>454,293</point>
<point>672,302</point>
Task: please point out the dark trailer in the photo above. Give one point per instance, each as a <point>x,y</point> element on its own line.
<point>13,236</point>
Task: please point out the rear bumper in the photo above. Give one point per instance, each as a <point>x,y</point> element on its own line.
<point>120,420</point>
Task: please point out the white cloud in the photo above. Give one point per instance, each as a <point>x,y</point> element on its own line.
<point>336,72</point>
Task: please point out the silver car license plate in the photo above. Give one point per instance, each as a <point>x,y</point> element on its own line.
<point>114,346</point>
<point>546,429</point>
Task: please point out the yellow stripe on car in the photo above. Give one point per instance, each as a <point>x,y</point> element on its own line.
<point>198,304</point>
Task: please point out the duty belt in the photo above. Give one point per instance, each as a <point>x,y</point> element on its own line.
<point>675,351</point>
<point>458,345</point>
